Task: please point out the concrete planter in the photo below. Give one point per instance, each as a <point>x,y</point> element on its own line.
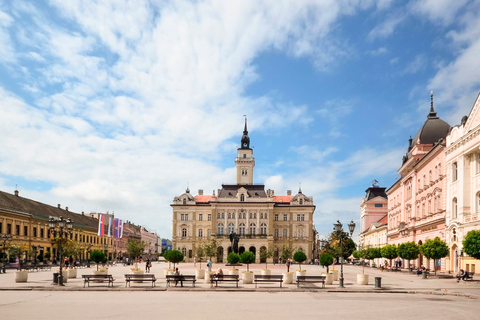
<point>287,277</point>
<point>64,275</point>
<point>200,273</point>
<point>335,275</point>
<point>301,273</point>
<point>247,277</point>
<point>266,272</point>
<point>233,272</point>
<point>207,276</point>
<point>21,276</point>
<point>166,271</point>
<point>138,271</point>
<point>101,271</point>
<point>362,279</point>
<point>72,273</point>
<point>328,277</point>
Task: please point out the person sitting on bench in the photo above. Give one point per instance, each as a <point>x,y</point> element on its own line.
<point>463,275</point>
<point>177,273</point>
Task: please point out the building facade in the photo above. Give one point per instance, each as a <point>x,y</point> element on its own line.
<point>416,202</point>
<point>463,188</point>
<point>262,219</point>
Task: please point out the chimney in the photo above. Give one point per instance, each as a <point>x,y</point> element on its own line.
<point>66,208</point>
<point>59,206</point>
<point>200,192</point>
<point>16,193</point>
<point>289,192</point>
<point>83,213</point>
<point>213,193</point>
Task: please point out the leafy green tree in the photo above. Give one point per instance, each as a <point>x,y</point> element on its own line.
<point>471,244</point>
<point>233,258</point>
<point>326,259</point>
<point>266,254</point>
<point>98,257</point>
<point>199,253</point>
<point>347,245</point>
<point>389,251</point>
<point>287,252</point>
<point>434,249</point>
<point>210,248</point>
<point>300,257</point>
<point>17,252</point>
<point>361,254</point>
<point>135,249</point>
<point>408,251</point>
<point>247,257</point>
<point>174,256</point>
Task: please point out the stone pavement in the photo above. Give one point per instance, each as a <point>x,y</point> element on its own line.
<point>392,282</point>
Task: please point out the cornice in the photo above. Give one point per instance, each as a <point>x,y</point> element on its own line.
<point>463,140</point>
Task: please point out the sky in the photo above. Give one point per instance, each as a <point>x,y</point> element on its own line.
<point>121,105</point>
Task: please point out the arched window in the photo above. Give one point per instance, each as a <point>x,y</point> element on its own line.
<point>261,215</point>
<point>423,210</point>
<point>252,228</point>
<point>229,216</point>
<point>429,206</point>
<point>454,208</point>
<point>223,215</point>
<point>454,171</point>
<point>184,252</point>
<point>263,228</point>
<point>220,229</point>
<point>241,229</point>
<point>285,233</point>
<point>184,232</point>
<point>233,215</point>
<point>275,233</point>
<point>209,233</point>
<point>218,215</point>
<point>200,233</point>
<point>265,215</point>
<point>231,228</point>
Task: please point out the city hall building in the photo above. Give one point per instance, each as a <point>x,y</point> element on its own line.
<point>262,219</point>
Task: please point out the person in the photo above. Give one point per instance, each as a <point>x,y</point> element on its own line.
<point>177,273</point>
<point>147,265</point>
<point>140,260</point>
<point>463,275</point>
<point>219,273</point>
<point>194,261</point>
<point>420,270</point>
<point>209,265</point>
<point>288,265</point>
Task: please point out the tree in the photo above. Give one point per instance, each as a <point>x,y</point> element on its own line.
<point>360,254</point>
<point>347,245</point>
<point>408,251</point>
<point>471,244</point>
<point>135,249</point>
<point>210,248</point>
<point>98,257</point>
<point>247,257</point>
<point>326,259</point>
<point>434,249</point>
<point>174,256</point>
<point>389,251</point>
<point>17,252</point>
<point>266,254</point>
<point>300,257</point>
<point>199,253</point>
<point>287,252</point>
<point>71,249</point>
<point>233,258</point>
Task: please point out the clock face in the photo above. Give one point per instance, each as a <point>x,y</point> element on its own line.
<point>244,144</point>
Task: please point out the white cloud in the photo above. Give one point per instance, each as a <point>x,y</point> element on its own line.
<point>377,52</point>
<point>416,65</point>
<point>438,11</point>
<point>387,27</point>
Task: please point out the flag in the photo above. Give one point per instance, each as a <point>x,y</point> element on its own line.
<point>118,231</point>
<point>109,226</point>
<point>101,222</point>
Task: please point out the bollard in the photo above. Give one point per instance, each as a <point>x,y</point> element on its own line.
<point>424,274</point>
<point>378,282</point>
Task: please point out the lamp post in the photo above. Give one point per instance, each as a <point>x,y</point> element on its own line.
<point>6,238</point>
<point>339,230</point>
<point>62,228</point>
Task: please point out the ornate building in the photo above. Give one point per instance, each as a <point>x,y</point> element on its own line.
<point>416,202</point>
<point>261,219</point>
<point>463,187</point>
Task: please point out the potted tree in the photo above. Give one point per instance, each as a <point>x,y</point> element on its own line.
<point>135,249</point>
<point>408,251</point>
<point>389,251</point>
<point>434,249</point>
<point>266,254</point>
<point>71,248</point>
<point>199,254</point>
<point>286,255</point>
<point>17,252</point>
<point>233,260</point>
<point>98,257</point>
<point>210,249</point>
<point>362,278</point>
<point>300,257</point>
<point>326,259</point>
<point>247,257</point>
<point>174,256</point>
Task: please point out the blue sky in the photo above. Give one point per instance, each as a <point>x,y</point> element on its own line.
<point>119,105</point>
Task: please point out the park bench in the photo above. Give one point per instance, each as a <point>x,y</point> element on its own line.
<point>140,278</point>
<point>311,279</point>
<point>180,278</point>
<point>87,278</point>
<point>223,278</point>
<point>268,278</point>
<point>470,276</point>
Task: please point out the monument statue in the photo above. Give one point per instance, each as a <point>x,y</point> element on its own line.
<point>234,241</point>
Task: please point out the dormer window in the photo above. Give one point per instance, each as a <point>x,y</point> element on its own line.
<point>300,201</point>
<point>184,201</point>
<point>242,197</point>
<point>244,156</point>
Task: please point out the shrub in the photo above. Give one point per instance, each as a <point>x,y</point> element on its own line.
<point>174,256</point>
<point>98,256</point>
<point>247,257</point>
<point>300,257</point>
<point>233,258</point>
<point>326,259</point>
<point>471,244</point>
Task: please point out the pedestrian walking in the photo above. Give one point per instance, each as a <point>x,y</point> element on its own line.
<point>209,265</point>
<point>194,261</point>
<point>288,265</point>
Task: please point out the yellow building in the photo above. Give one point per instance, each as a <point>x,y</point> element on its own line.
<point>260,218</point>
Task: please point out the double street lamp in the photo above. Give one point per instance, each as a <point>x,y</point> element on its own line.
<point>338,228</point>
<point>62,229</point>
<point>6,238</point>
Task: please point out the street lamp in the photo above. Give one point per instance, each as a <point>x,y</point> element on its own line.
<point>338,228</point>
<point>5,238</point>
<point>62,228</point>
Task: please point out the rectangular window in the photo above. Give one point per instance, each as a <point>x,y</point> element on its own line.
<point>25,231</point>
<point>186,217</point>
<point>298,217</point>
<point>200,217</point>
<point>42,233</point>
<point>285,217</point>
<point>17,230</point>
<point>275,217</point>
<point>378,205</point>
<point>34,232</point>
<point>209,217</point>
<point>1,227</point>
<point>9,228</point>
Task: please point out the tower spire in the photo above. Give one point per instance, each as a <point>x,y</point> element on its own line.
<point>245,142</point>
<point>245,131</point>
<point>432,113</point>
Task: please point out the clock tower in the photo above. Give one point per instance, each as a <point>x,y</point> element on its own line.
<point>245,161</point>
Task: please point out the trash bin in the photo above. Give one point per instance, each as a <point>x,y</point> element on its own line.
<point>378,282</point>
<point>55,277</point>
<point>424,274</point>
